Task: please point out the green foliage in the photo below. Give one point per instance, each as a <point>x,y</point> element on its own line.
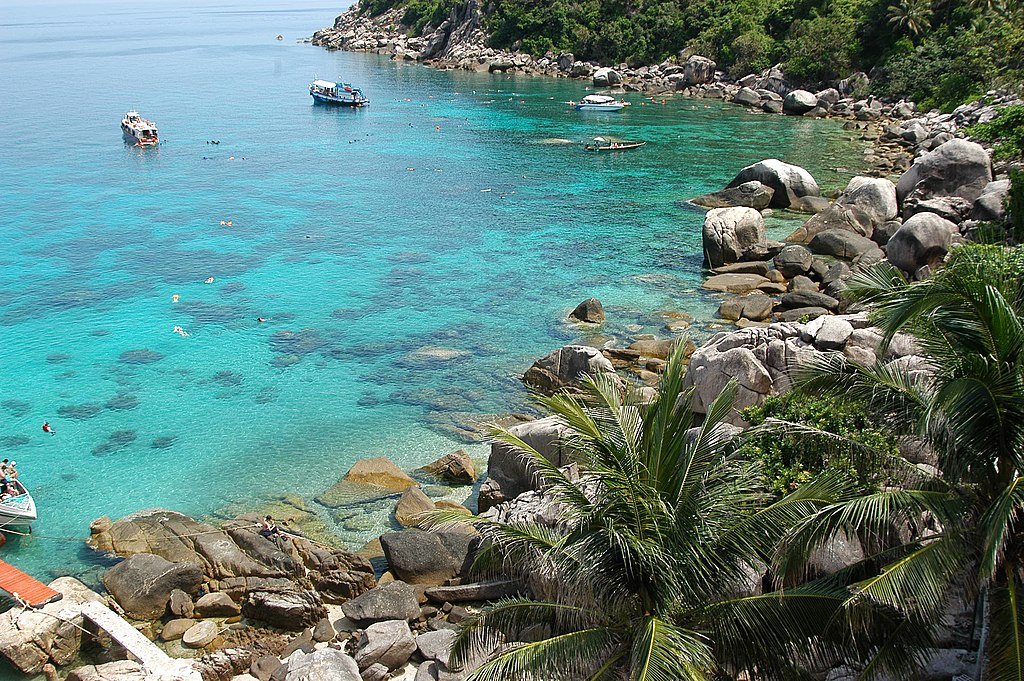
<point>790,460</point>
<point>647,573</point>
<point>1015,206</point>
<point>1006,131</point>
<point>969,321</point>
<point>938,52</point>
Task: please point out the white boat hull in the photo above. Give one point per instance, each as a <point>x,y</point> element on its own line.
<point>600,107</point>
<point>17,513</point>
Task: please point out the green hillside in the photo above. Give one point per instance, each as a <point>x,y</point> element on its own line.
<point>939,53</point>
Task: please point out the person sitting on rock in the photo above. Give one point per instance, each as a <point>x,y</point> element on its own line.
<point>268,529</point>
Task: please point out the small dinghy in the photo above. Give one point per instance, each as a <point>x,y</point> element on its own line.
<point>599,103</point>
<point>17,508</point>
<point>603,144</point>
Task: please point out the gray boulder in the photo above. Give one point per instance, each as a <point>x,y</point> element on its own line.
<point>393,601</point>
<point>873,196</point>
<point>829,332</point>
<point>990,204</point>
<point>697,70</point>
<point>793,260</point>
<point>733,234</point>
<point>509,473</point>
<point>455,468</point>
<point>790,182</point>
<point>751,194</point>
<point>436,645</point>
<point>841,244</point>
<point>799,102</point>
<point>884,231</point>
<point>289,609</point>
<point>328,664</point>
<point>142,584</point>
<point>798,299</point>
<point>834,217</point>
<point>420,557</point>
<point>606,76</point>
<point>590,311</point>
<point>828,97</point>
<point>119,670</point>
<point>957,168</point>
<point>754,306</point>
<point>924,239</point>
<point>563,368</point>
<point>389,643</point>
<point>746,97</point>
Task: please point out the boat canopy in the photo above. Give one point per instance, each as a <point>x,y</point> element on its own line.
<point>325,84</point>
<point>598,99</point>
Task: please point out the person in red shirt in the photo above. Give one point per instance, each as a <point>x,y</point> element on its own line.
<point>48,429</point>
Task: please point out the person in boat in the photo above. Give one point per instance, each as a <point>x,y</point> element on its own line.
<point>48,429</point>
<point>268,528</point>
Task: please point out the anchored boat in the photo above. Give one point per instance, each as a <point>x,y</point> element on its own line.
<point>599,103</point>
<point>604,144</point>
<point>17,509</point>
<point>138,130</point>
<point>342,94</point>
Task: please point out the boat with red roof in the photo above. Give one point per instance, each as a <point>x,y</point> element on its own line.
<point>138,130</point>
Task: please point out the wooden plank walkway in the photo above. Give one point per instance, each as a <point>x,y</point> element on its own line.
<point>157,663</point>
<point>28,589</point>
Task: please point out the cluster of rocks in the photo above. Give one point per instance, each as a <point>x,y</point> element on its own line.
<point>913,224</point>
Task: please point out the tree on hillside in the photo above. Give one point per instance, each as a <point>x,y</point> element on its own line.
<point>653,570</point>
<point>912,16</point>
<point>964,522</point>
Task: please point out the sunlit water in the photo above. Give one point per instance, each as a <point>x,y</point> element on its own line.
<point>445,215</point>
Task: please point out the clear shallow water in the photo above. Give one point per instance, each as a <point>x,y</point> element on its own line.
<point>362,237</point>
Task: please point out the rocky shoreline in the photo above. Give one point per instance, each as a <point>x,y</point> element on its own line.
<point>288,607</point>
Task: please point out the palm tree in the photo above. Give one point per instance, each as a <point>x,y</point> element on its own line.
<point>912,16</point>
<point>654,568</point>
<point>965,520</point>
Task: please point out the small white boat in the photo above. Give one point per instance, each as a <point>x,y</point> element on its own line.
<point>18,510</point>
<point>138,130</point>
<point>599,103</point>
<point>342,94</point>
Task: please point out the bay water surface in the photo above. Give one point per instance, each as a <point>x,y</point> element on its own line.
<point>410,259</point>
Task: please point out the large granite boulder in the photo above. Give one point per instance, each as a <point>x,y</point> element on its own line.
<point>327,664</point>
<point>142,583</point>
<point>957,168</point>
<point>606,76</point>
<point>799,102</point>
<point>565,367</point>
<point>697,70</point>
<point>733,234</point>
<point>289,609</point>
<point>388,643</point>
<point>52,633</point>
<point>746,96</point>
<point>420,557</point>
<point>392,601</point>
<point>509,474</point>
<point>454,468</point>
<point>872,196</point>
<point>751,194</point>
<point>835,217</point>
<point>755,307</point>
<point>841,243</point>
<point>924,239</point>
<point>789,182</point>
<point>216,605</point>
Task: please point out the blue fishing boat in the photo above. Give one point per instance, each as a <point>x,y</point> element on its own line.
<point>342,94</point>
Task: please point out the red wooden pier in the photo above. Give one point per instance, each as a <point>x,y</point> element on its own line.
<point>26,588</point>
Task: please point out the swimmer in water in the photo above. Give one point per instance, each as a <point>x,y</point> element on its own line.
<point>181,332</point>
<point>209,280</point>
<point>175,298</point>
<point>260,320</point>
<point>48,429</point>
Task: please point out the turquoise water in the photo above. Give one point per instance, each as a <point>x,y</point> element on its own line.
<point>439,217</point>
